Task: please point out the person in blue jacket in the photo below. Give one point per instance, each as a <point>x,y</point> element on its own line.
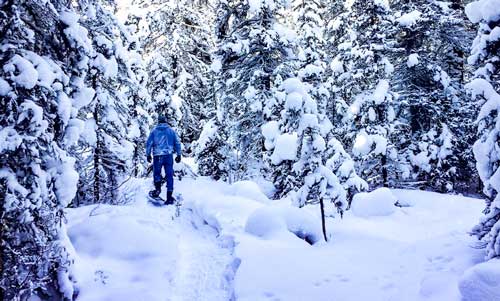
<point>163,142</point>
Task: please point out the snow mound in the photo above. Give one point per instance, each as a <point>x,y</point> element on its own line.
<point>264,222</point>
<point>481,282</point>
<point>273,222</point>
<point>379,202</point>
<point>249,190</point>
<point>120,237</point>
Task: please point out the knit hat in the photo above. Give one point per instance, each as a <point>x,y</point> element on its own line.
<point>162,119</point>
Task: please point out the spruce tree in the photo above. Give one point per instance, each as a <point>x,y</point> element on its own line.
<point>298,130</point>
<point>485,88</point>
<point>429,57</point>
<point>212,150</point>
<point>115,116</point>
<point>43,54</point>
<point>177,45</point>
<point>248,57</point>
<point>362,85</point>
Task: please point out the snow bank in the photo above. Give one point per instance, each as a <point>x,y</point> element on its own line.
<point>123,252</point>
<point>481,282</point>
<point>417,253</point>
<point>240,207</point>
<point>275,222</point>
<point>120,237</point>
<point>379,202</point>
<point>248,189</point>
<point>264,222</point>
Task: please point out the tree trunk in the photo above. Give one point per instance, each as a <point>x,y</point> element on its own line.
<point>384,171</point>
<point>97,158</point>
<point>323,223</point>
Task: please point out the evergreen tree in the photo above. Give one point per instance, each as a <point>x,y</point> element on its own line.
<point>115,116</point>
<point>362,85</point>
<point>485,88</point>
<point>429,77</point>
<point>336,33</point>
<point>43,54</point>
<point>177,45</point>
<point>312,70</point>
<point>296,152</point>
<point>211,151</point>
<point>248,57</point>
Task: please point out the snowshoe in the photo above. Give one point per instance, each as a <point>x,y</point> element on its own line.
<point>156,199</point>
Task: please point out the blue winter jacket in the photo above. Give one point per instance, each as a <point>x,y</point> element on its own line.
<point>163,140</point>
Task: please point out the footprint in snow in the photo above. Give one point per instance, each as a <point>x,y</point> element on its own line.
<point>271,295</point>
<point>342,278</point>
<point>388,286</point>
<point>438,263</point>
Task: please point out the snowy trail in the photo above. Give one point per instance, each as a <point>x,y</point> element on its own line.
<point>141,252</point>
<point>201,265</point>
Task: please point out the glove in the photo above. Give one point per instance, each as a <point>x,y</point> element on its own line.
<point>149,158</point>
<point>178,159</point>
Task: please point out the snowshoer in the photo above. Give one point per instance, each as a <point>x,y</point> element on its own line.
<point>163,142</point>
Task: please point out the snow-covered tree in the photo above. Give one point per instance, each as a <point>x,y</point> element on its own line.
<point>296,150</point>
<point>177,45</point>
<point>253,46</point>
<point>309,25</point>
<point>44,54</point>
<point>429,57</point>
<point>312,70</point>
<point>343,166</point>
<point>115,116</point>
<point>362,84</point>
<point>485,88</point>
<point>336,32</point>
<point>211,151</point>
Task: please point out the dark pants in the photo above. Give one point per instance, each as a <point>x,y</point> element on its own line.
<point>166,162</point>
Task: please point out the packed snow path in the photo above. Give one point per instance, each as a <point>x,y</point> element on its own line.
<point>140,252</point>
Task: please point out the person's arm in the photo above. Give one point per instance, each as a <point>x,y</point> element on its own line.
<point>177,144</point>
<point>149,143</point>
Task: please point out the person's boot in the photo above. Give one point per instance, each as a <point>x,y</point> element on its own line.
<point>156,193</point>
<point>170,198</point>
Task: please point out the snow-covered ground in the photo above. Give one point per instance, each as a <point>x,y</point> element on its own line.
<point>140,252</point>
